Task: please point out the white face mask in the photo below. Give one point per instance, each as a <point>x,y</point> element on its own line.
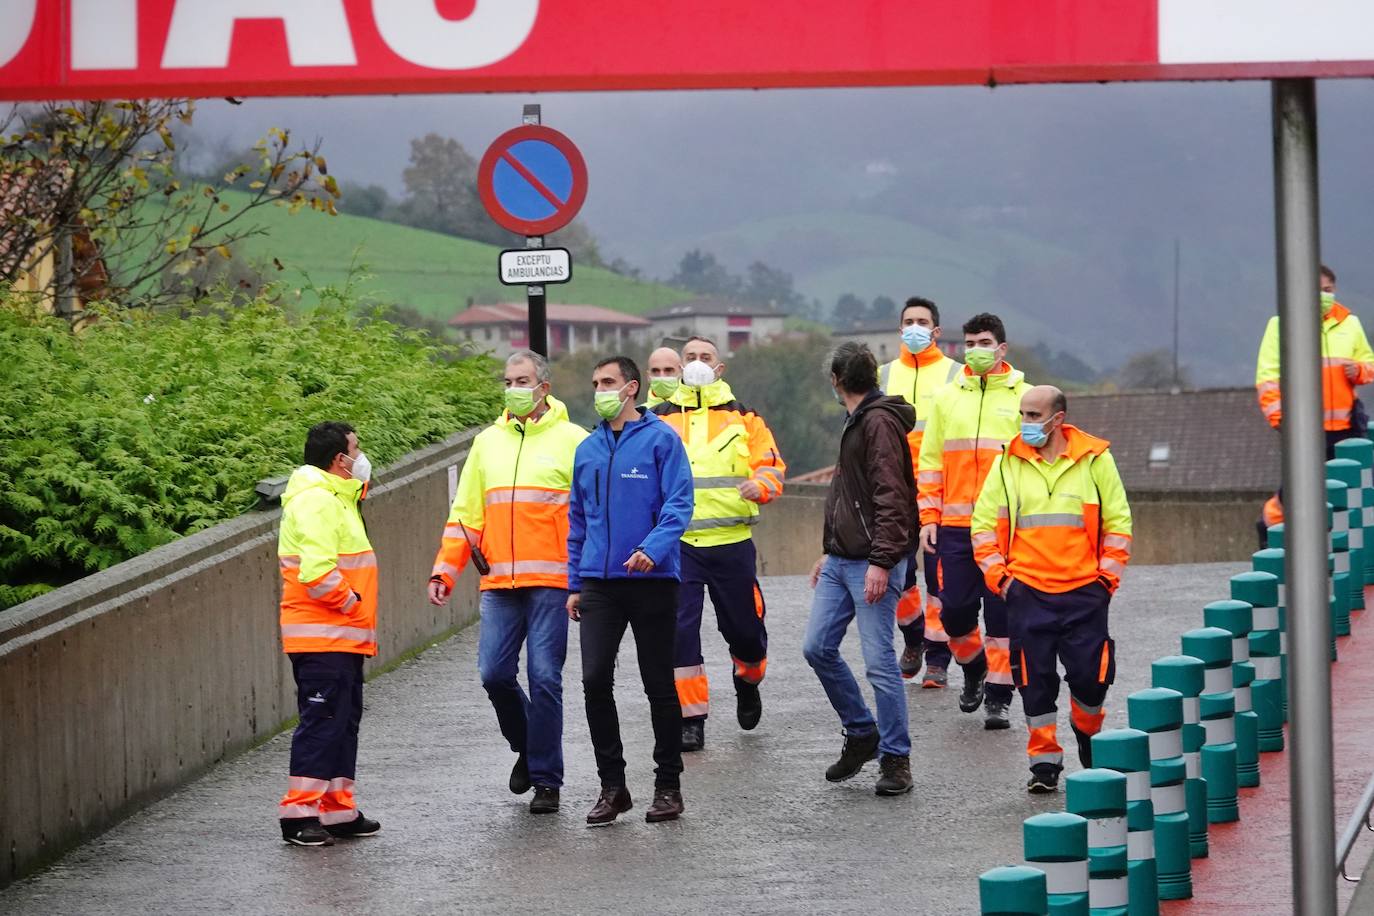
<point>697,374</point>
<point>361,469</point>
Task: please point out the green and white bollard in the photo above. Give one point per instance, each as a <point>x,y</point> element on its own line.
<point>1127,750</point>
<point>1185,674</point>
<point>1012,890</point>
<point>1348,472</point>
<point>1057,844</point>
<point>1218,708</point>
<point>1235,618</point>
<point>1261,590</point>
<point>1361,451</point>
<point>1158,712</point>
<point>1100,796</point>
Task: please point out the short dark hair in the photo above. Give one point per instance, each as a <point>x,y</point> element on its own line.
<point>986,321</point>
<point>628,370</point>
<point>715,346</point>
<point>1060,404</point>
<point>325,441</point>
<point>854,368</point>
<point>924,303</point>
<point>1328,273</point>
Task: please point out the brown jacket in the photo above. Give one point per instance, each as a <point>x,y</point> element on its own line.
<point>870,512</point>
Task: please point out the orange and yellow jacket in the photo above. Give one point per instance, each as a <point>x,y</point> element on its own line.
<point>328,569</point>
<point>1056,526</point>
<point>513,501</point>
<point>970,421</point>
<point>727,444</point>
<point>917,378</point>
<point>1343,344</point>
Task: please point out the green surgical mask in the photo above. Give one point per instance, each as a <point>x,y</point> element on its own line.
<point>664,386</point>
<point>979,360</point>
<point>1328,300</point>
<point>608,403</point>
<point>520,401</point>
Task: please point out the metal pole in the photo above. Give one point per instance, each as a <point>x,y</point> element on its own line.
<point>538,318</point>
<point>1177,256</point>
<point>1297,231</point>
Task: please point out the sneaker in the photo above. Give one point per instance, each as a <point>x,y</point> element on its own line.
<point>995,716</point>
<point>1085,748</point>
<point>911,659</point>
<point>693,734</point>
<point>1044,779</point>
<point>857,750</point>
<point>894,775</point>
<point>545,800</point>
<point>667,806</point>
<point>975,677</point>
<point>520,776</point>
<point>305,831</point>
<point>748,705</point>
<point>610,804</point>
<point>936,677</point>
<point>359,826</point>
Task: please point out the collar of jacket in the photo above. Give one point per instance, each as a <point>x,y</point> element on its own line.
<point>557,413</point>
<point>1009,377</point>
<point>307,477</point>
<point>1079,445</point>
<point>645,418</point>
<point>930,355</point>
<point>712,395</point>
<point>1337,314</point>
<point>899,406</point>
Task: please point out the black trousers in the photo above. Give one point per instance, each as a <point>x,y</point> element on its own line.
<point>649,608</point>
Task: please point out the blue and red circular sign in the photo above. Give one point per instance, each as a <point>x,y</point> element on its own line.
<point>532,180</point>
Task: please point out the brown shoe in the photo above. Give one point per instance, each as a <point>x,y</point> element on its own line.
<point>667,806</point>
<point>613,802</point>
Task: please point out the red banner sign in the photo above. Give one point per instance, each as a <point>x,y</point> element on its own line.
<point>119,48</point>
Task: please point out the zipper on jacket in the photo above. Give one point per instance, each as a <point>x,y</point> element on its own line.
<point>610,466</point>
<point>515,476</point>
<point>858,510</point>
<point>978,430</point>
<point>727,443</point>
<point>598,486</point>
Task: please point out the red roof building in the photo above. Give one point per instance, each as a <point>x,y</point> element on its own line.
<point>502,328</point>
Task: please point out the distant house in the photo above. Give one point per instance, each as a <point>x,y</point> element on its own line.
<point>885,340</point>
<point>730,324</point>
<point>504,328</point>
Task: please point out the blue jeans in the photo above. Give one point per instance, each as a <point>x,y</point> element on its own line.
<point>839,599</point>
<point>533,725</point>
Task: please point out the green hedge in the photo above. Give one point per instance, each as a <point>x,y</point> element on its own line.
<point>141,429</point>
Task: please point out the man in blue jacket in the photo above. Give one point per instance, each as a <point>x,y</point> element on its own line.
<point>631,501</point>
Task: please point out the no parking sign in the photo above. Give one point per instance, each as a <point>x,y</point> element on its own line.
<point>532,180</point>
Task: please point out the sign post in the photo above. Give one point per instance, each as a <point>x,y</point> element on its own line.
<point>534,295</point>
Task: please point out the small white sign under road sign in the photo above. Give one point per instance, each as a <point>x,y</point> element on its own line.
<point>526,266</point>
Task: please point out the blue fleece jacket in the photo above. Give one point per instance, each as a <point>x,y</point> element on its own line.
<point>634,493</point>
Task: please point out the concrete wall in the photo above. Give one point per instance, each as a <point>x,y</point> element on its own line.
<point>122,686</point>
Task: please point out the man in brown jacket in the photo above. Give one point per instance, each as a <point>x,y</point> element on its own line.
<point>870,523</point>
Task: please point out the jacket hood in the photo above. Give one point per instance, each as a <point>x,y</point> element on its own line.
<point>894,404</point>
<point>1080,444</point>
<point>931,354</point>
<point>712,395</point>
<point>1009,377</point>
<point>309,477</point>
<point>557,413</point>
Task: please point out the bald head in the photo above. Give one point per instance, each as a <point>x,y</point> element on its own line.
<point>1043,402</point>
<point>665,363</point>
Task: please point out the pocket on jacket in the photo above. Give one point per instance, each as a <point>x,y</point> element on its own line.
<point>1106,668</point>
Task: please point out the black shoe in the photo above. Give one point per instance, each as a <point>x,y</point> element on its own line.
<point>748,704</point>
<point>520,775</point>
<point>995,716</point>
<point>1085,748</point>
<point>894,775</point>
<point>613,802</point>
<point>1044,779</point>
<point>975,678</point>
<point>693,734</point>
<point>359,826</point>
<point>667,806</point>
<point>910,662</point>
<point>545,800</point>
<point>857,750</point>
<point>305,831</point>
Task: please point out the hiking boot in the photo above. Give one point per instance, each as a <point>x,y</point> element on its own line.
<point>520,775</point>
<point>936,677</point>
<point>359,826</point>
<point>975,677</point>
<point>545,800</point>
<point>1085,748</point>
<point>610,804</point>
<point>305,831</point>
<point>894,775</point>
<point>1044,779</point>
<point>667,806</point>
<point>911,659</point>
<point>693,734</point>
<point>995,716</point>
<point>748,704</point>
<point>857,750</point>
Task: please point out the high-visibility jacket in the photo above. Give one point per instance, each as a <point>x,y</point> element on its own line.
<point>513,501</point>
<point>970,420</point>
<point>917,377</point>
<point>328,569</point>
<point>727,444</point>
<point>1343,344</point>
<point>1056,526</point>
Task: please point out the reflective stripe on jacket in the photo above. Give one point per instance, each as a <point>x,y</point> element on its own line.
<point>918,378</point>
<point>328,569</point>
<point>727,444</point>
<point>970,421</point>
<point>1343,344</point>
<point>513,500</point>
<point>1056,527</point>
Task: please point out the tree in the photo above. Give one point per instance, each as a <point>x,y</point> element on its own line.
<point>764,285</point>
<point>700,272</point>
<point>784,381</point>
<point>581,244</point>
<point>883,310</point>
<point>849,310</point>
<point>441,192</point>
<point>371,200</point>
<point>1151,371</point>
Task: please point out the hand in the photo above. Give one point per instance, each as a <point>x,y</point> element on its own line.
<point>875,583</point>
<point>575,606</point>
<point>928,533</point>
<point>816,571</point>
<point>1006,588</point>
<point>638,562</point>
<point>750,490</point>
<point>1352,371</point>
<point>438,592</point>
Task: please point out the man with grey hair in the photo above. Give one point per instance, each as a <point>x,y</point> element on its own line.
<point>510,517</point>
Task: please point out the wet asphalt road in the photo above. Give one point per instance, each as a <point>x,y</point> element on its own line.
<point>763,833</point>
